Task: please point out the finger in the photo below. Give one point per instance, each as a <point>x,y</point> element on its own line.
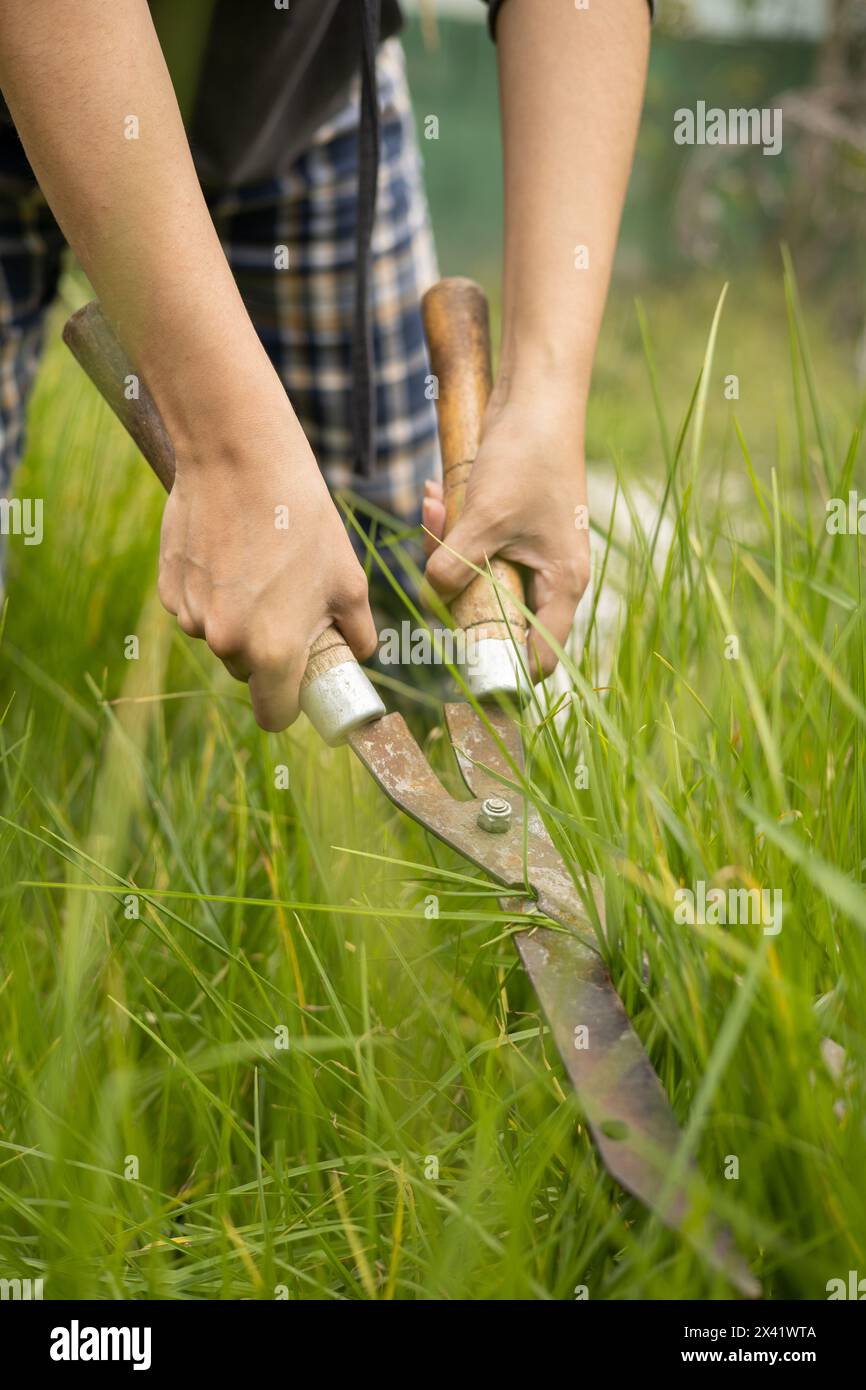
<point>449,569</point>
<point>169,584</point>
<point>226,641</point>
<point>237,669</point>
<point>433,520</point>
<point>168,588</point>
<point>355,622</point>
<point>188,622</point>
<point>274,693</point>
<point>190,613</point>
<point>556,616</point>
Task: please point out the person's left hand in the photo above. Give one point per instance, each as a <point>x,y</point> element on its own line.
<point>525,501</point>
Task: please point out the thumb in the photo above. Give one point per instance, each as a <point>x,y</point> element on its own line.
<point>447,570</point>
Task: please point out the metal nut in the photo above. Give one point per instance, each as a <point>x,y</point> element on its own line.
<point>495,815</point>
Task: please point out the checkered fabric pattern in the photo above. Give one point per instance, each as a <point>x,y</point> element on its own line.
<point>31,248</point>
<point>303,314</point>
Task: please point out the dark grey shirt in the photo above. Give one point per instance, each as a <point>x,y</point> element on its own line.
<point>269,78</point>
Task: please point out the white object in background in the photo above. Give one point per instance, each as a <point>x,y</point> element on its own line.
<point>605,502</point>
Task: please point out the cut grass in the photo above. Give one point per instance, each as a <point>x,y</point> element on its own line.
<point>416,1137</point>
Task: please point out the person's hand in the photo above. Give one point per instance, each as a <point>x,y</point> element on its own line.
<point>255,559</point>
<point>525,501</point>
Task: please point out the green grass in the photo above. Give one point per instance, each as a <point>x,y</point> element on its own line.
<point>309,1169</point>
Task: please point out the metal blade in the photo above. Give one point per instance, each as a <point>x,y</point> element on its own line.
<point>625,1105</point>
<point>631,1121</point>
<point>391,755</point>
<point>626,1109</point>
<point>489,754</point>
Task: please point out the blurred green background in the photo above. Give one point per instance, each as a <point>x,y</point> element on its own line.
<point>694,218</point>
<point>747,199</point>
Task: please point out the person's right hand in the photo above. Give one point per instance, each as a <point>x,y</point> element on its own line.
<point>255,559</point>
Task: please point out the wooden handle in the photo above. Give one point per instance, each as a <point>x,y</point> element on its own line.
<point>94,344</point>
<point>457,325</point>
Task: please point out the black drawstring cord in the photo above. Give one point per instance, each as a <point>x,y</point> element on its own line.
<point>363,375</point>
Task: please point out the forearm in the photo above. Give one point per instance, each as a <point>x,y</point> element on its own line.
<point>571,84</point>
<point>131,208</point>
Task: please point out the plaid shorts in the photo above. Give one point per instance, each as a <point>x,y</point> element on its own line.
<point>303,314</point>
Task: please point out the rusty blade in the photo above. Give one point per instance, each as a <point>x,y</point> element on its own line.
<point>631,1121</point>
<point>390,753</point>
<point>489,753</point>
<point>626,1109</point>
<point>620,1092</point>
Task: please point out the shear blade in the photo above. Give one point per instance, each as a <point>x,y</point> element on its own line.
<point>627,1111</point>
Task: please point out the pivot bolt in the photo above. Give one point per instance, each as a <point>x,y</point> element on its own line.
<point>495,815</point>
